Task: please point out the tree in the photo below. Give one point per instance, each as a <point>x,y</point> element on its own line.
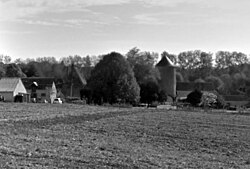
<point>239,81</point>
<point>7,59</point>
<point>239,58</point>
<point>19,61</point>
<point>112,80</point>
<point>29,69</point>
<point>147,76</point>
<point>2,70</point>
<point>228,62</point>
<point>216,81</point>
<point>132,56</point>
<point>149,91</point>
<point>13,70</point>
<point>142,64</point>
<point>223,59</point>
<point>1,58</point>
<point>87,61</point>
<point>51,60</point>
<point>195,64</point>
<point>95,59</point>
<point>227,84</point>
<point>189,60</point>
<point>204,66</point>
<point>135,56</point>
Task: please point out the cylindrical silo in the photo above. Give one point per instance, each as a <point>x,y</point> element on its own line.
<point>167,72</point>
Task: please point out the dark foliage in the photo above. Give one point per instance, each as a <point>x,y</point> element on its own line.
<point>194,98</point>
<point>13,70</point>
<point>149,91</point>
<point>86,94</point>
<point>112,80</point>
<point>162,96</point>
<point>29,69</point>
<point>220,102</point>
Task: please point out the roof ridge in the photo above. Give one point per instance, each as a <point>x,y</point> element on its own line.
<point>165,61</point>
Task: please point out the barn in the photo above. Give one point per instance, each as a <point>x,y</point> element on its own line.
<point>10,88</point>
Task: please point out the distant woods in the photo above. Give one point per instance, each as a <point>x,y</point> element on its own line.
<point>229,72</point>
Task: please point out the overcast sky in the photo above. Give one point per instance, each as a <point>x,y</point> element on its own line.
<point>37,28</point>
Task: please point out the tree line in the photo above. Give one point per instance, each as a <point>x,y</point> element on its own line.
<point>116,74</point>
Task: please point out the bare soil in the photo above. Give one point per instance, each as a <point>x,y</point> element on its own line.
<point>78,136</point>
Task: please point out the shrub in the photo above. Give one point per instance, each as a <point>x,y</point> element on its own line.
<point>194,98</point>
<point>208,99</point>
<point>220,102</point>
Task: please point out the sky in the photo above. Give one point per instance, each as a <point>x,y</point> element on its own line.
<point>59,28</point>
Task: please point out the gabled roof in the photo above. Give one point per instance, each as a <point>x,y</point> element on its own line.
<point>8,84</point>
<point>190,86</point>
<point>165,61</point>
<point>82,79</point>
<point>42,82</point>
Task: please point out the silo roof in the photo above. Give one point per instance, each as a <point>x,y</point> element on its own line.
<point>165,61</point>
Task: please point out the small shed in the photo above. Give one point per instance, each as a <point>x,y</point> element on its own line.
<point>11,88</point>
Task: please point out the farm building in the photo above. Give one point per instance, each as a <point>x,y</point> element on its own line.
<point>236,100</point>
<point>184,88</point>
<point>167,81</point>
<point>42,89</point>
<point>12,89</point>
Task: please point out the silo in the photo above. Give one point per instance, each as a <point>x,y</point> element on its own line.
<point>167,72</point>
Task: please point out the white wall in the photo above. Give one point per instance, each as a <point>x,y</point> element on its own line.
<point>19,88</point>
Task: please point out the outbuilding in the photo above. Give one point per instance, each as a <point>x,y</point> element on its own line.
<point>12,89</point>
<point>41,89</point>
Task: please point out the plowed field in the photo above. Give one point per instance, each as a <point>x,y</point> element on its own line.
<point>76,136</point>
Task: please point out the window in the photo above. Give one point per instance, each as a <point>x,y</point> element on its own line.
<point>43,94</point>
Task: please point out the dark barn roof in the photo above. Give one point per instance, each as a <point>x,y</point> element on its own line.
<point>42,82</point>
<point>190,86</point>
